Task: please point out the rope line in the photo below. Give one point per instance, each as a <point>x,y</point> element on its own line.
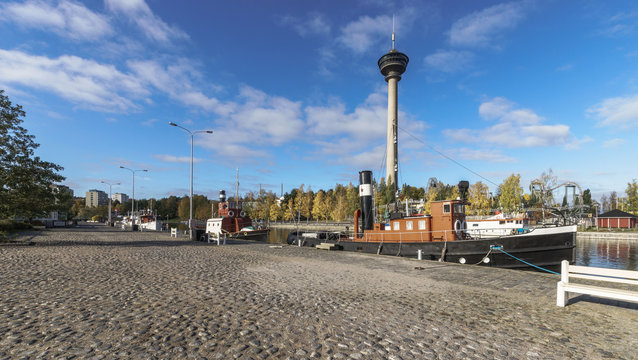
<point>500,248</point>
<point>449,158</point>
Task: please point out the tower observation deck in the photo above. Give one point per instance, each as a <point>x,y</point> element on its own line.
<point>392,66</point>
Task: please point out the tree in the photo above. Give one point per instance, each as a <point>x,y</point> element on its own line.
<point>613,201</point>
<point>479,198</point>
<point>319,201</point>
<point>511,193</point>
<point>25,179</point>
<point>604,203</point>
<point>632,196</point>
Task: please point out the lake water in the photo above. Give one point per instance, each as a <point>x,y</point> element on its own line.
<point>614,254</point>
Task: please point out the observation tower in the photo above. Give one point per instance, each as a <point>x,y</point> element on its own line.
<point>392,66</point>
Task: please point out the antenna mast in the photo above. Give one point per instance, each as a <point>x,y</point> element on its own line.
<point>393,32</point>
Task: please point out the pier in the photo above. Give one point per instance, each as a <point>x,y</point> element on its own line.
<point>98,292</point>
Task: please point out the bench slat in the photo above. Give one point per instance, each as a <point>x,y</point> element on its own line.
<point>605,279</point>
<point>602,292</point>
<point>629,274</point>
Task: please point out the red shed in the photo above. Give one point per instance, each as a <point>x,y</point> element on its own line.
<point>617,219</point>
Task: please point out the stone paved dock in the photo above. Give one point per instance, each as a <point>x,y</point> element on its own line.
<point>103,293</point>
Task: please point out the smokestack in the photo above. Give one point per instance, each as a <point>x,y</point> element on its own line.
<point>365,193</point>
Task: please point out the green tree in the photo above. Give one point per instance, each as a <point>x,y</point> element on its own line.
<point>632,196</point>
<point>511,193</point>
<point>25,179</point>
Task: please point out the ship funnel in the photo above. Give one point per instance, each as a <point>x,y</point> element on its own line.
<point>365,193</point>
<point>222,195</point>
<point>464,185</point>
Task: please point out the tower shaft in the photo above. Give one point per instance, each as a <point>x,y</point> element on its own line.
<point>392,66</point>
<point>392,149</point>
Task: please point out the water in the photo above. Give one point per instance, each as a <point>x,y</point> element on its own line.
<point>613,254</point>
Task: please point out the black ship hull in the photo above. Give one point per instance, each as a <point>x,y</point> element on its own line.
<point>254,235</point>
<point>544,249</point>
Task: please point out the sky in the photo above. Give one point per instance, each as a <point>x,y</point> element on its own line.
<point>293,94</point>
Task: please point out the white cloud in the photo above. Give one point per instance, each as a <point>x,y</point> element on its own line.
<point>81,81</point>
<point>176,81</point>
<point>315,24</point>
<point>575,143</point>
<point>68,18</point>
<point>514,128</point>
<point>614,143</point>
<point>362,34</point>
<point>149,122</point>
<point>480,28</point>
<point>357,137</point>
<point>176,159</point>
<point>152,26</point>
<point>449,60</point>
<point>619,112</point>
<point>491,155</point>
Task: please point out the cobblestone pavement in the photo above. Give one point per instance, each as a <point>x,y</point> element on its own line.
<point>103,293</point>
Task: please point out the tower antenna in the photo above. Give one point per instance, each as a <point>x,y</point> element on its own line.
<point>392,31</point>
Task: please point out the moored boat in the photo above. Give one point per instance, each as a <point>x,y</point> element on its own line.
<point>233,223</point>
<point>443,236</point>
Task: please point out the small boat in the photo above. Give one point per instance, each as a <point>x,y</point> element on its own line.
<point>234,223</point>
<point>443,235</point>
<point>149,222</point>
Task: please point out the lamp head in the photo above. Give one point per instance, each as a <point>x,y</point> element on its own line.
<point>172,123</point>
<point>121,167</point>
<point>209,131</point>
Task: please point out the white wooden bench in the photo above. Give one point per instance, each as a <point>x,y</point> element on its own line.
<point>597,274</point>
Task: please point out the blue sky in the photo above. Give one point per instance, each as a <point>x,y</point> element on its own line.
<point>293,94</point>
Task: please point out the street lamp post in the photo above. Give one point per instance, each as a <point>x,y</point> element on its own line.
<point>133,192</point>
<point>110,185</point>
<point>192,134</point>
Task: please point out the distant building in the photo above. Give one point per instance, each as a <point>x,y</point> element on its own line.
<point>122,198</point>
<point>95,198</point>
<point>617,219</point>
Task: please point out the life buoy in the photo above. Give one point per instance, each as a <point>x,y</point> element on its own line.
<point>464,225</point>
<point>242,214</point>
<point>245,233</point>
<point>231,213</point>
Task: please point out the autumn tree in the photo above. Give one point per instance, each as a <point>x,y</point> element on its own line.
<point>479,198</point>
<point>318,208</point>
<point>511,193</point>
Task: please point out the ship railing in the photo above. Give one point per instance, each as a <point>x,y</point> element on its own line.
<point>408,236</point>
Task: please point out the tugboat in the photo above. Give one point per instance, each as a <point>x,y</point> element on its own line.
<point>233,223</point>
<point>443,236</point>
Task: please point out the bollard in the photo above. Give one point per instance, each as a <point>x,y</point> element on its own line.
<point>419,254</point>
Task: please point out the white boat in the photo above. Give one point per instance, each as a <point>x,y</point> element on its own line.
<point>498,225</point>
<point>149,222</point>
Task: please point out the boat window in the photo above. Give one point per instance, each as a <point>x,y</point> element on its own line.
<point>408,225</point>
<point>446,208</point>
<point>396,226</point>
<point>421,224</point>
<point>509,221</point>
<point>519,221</point>
<point>459,208</point>
<point>474,224</point>
<point>501,222</point>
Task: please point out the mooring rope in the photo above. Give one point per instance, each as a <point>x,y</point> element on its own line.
<point>500,248</point>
